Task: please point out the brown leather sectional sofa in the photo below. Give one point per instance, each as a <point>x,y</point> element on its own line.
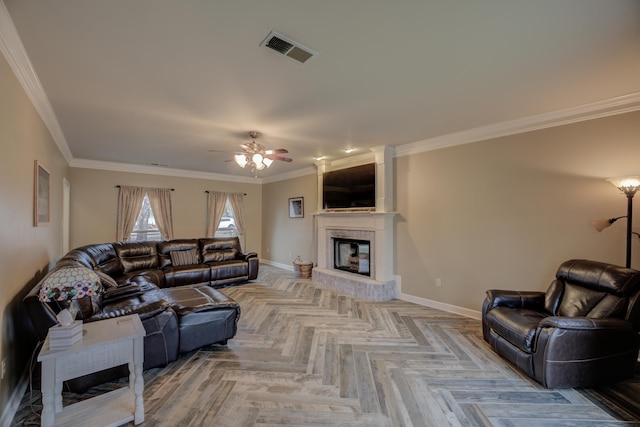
<point>169,284</point>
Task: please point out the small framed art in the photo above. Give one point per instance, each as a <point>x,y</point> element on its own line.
<point>41,195</point>
<point>296,207</point>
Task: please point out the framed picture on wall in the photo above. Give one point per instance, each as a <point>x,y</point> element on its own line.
<point>41,195</point>
<point>296,207</point>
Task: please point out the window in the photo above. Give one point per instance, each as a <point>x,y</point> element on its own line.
<point>227,226</point>
<point>145,228</point>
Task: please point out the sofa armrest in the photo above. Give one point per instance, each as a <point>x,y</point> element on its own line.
<point>246,255</point>
<point>514,299</point>
<point>584,323</point>
<point>114,294</point>
<point>144,309</point>
<point>583,352</point>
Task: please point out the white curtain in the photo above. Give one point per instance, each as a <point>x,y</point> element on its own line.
<point>160,201</point>
<point>129,204</point>
<point>237,204</point>
<point>215,209</point>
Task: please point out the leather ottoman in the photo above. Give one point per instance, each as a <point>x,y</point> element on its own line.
<point>205,315</point>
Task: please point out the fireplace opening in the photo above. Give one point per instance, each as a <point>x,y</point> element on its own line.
<point>352,255</point>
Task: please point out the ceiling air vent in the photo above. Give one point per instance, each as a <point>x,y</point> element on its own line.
<point>288,47</point>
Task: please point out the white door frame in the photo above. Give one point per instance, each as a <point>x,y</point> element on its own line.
<point>66,202</point>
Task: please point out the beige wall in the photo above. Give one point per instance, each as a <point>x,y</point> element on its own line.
<point>27,251</point>
<point>285,238</point>
<point>94,199</point>
<point>504,213</point>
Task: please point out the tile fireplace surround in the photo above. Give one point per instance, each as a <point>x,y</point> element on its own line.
<point>376,227</point>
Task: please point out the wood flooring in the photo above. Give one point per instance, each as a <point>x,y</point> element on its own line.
<point>305,356</point>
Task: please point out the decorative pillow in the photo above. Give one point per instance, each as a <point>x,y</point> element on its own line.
<point>188,257</point>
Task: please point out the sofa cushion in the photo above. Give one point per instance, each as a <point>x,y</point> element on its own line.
<point>599,276</point>
<point>216,249</point>
<point>188,257</point>
<point>186,275</point>
<point>137,256</point>
<point>518,326</point>
<point>224,270</point>
<point>583,302</point>
<point>221,255</point>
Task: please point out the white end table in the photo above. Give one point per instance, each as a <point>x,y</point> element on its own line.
<point>106,344</point>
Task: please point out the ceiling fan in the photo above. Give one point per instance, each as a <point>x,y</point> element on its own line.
<point>256,156</point>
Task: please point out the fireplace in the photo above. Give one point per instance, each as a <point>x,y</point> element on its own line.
<point>343,235</point>
<point>352,255</point>
<point>355,248</point>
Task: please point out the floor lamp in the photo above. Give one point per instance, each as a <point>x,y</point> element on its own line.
<point>628,185</point>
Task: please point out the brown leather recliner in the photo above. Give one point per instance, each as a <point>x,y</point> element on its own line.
<point>581,332</point>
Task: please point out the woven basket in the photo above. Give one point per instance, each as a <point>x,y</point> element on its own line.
<point>302,268</point>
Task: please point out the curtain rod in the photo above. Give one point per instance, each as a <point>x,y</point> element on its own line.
<point>207,191</point>
<point>172,189</point>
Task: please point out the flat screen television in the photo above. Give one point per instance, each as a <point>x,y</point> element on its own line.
<point>350,188</point>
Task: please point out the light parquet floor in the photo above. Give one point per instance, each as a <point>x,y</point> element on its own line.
<point>306,356</point>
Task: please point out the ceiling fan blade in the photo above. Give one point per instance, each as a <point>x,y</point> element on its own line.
<point>276,150</point>
<point>284,159</point>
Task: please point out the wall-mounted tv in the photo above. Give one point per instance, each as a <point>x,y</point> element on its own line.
<point>350,188</point>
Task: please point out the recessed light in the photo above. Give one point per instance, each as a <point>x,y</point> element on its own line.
<point>321,158</point>
<point>349,150</point>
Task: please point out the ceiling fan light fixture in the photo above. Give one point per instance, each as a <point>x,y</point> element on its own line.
<point>241,160</point>
<point>257,158</point>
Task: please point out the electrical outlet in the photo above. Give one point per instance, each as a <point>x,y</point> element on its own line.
<point>4,367</point>
<point>438,282</point>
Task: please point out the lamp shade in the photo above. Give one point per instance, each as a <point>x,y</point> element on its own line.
<point>626,184</point>
<point>70,283</point>
<point>241,160</point>
<point>601,224</point>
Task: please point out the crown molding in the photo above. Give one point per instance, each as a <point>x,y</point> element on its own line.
<point>13,50</point>
<point>159,170</point>
<point>595,110</point>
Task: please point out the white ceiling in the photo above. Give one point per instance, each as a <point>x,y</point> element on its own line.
<point>159,81</point>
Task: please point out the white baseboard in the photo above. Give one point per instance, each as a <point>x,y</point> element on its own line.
<point>474,314</point>
<point>277,264</point>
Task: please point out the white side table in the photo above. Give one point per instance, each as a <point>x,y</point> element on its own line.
<point>106,344</point>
